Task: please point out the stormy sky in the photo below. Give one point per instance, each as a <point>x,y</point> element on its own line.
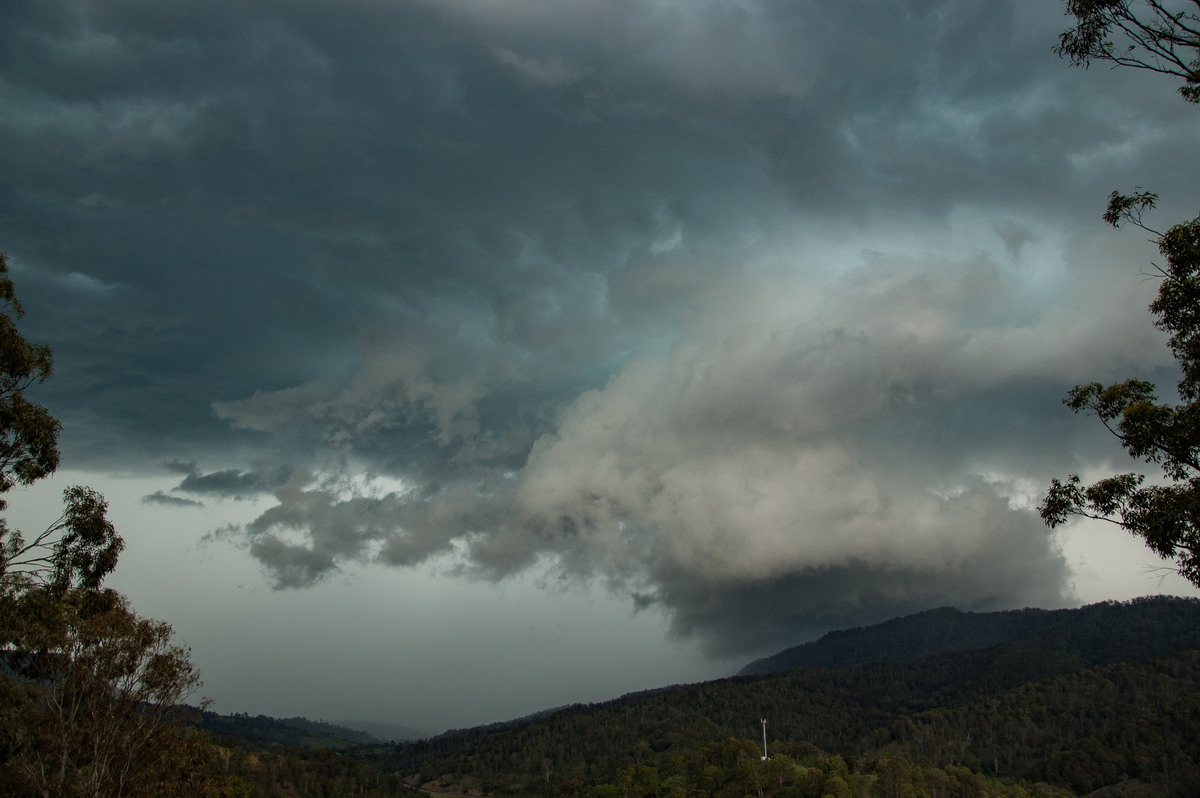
<point>445,360</point>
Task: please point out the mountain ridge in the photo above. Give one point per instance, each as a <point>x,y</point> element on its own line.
<point>946,629</point>
<point>890,698</point>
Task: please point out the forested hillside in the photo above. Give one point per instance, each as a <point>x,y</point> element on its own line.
<point>266,732</point>
<point>1033,710</point>
<point>1148,626</point>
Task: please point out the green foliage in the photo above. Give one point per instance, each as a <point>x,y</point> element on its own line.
<point>1167,435</point>
<point>732,769</point>
<point>28,433</point>
<point>77,551</point>
<point>90,699</point>
<point>81,547</point>
<point>1131,206</point>
<point>298,773</point>
<point>1083,730</point>
<point>1149,34</point>
<point>88,544</point>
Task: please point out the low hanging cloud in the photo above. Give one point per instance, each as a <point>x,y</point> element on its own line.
<point>161,497</point>
<point>228,483</point>
<point>769,475</point>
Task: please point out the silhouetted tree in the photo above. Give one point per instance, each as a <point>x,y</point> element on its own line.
<point>1159,36</point>
<point>92,698</point>
<point>28,433</point>
<point>88,689</point>
<point>1164,38</point>
<point>1164,434</point>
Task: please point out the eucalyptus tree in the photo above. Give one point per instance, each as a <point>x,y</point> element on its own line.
<point>1159,36</point>
<point>89,690</point>
<point>1165,512</point>
<point>1162,37</point>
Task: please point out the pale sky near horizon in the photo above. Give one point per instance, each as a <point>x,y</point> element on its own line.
<point>448,360</point>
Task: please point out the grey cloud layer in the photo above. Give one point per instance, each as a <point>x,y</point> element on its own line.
<point>797,465</point>
<point>231,482</point>
<point>589,281</point>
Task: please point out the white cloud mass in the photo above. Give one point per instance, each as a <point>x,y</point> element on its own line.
<point>789,462</point>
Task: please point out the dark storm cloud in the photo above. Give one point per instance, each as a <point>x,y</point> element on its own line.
<point>649,292</point>
<point>231,482</point>
<point>159,497</point>
<point>865,441</point>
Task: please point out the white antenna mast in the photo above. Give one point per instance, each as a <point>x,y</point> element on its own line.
<point>764,724</point>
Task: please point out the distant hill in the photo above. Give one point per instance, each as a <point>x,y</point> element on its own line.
<point>1084,699</point>
<point>263,731</point>
<point>1098,633</point>
<point>393,732</point>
